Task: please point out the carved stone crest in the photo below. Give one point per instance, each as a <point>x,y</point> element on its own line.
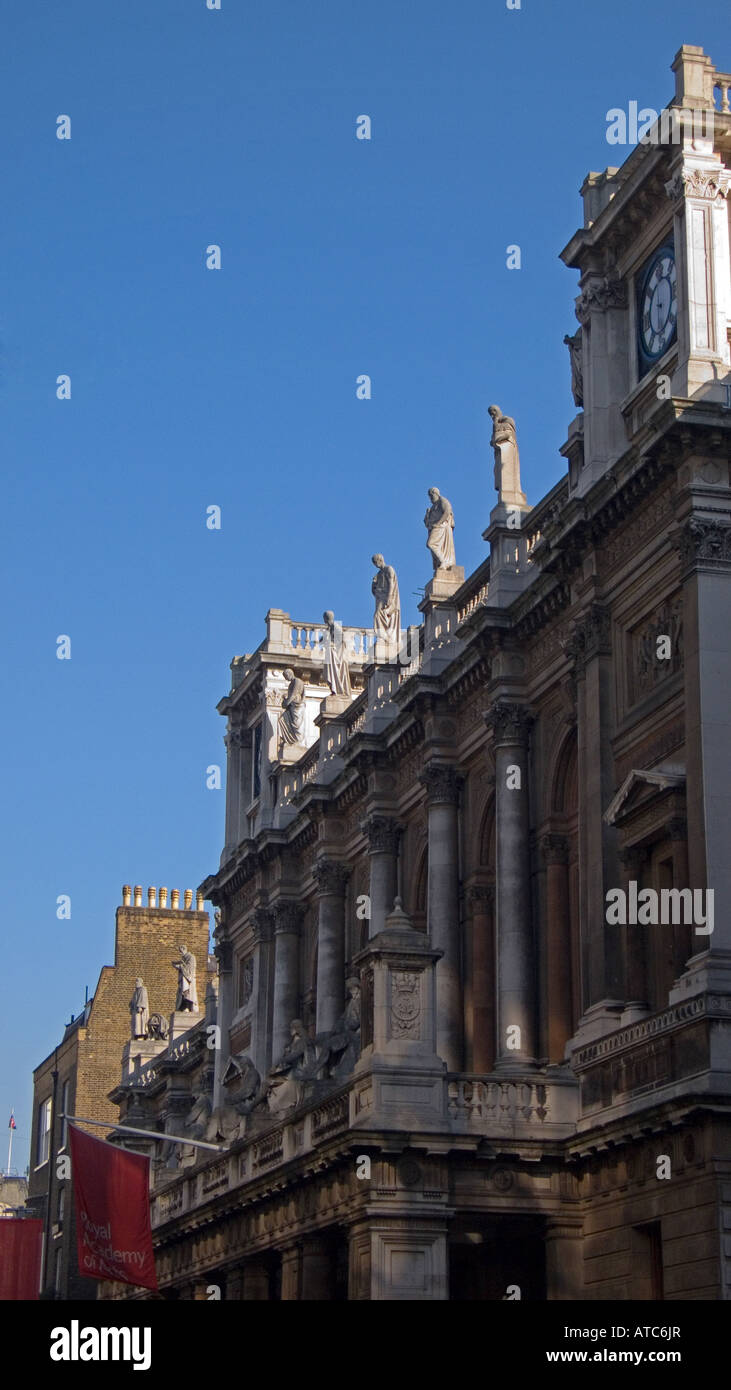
<point>405,1004</point>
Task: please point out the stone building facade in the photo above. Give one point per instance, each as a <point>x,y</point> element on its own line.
<point>77,1076</point>
<point>539,1102</point>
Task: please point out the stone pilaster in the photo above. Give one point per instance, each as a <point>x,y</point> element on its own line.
<point>480,983</point>
<point>515,959</point>
<point>383,834</point>
<point>557,991</point>
<point>224,955</point>
<point>287,926</point>
<point>564,1259</point>
<point>398,1260</point>
<point>590,646</point>
<point>635,942</point>
<point>261,1016</point>
<point>442,786</point>
<point>331,878</point>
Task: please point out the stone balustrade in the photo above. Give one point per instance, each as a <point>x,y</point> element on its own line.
<point>292,637</point>
<point>495,1107</point>
<point>722,86</point>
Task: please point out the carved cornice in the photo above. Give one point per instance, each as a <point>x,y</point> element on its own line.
<point>382,833</point>
<point>442,784</point>
<point>287,917</point>
<point>711,185</point>
<point>554,849</point>
<point>330,877</point>
<point>705,544</point>
<point>599,296</point>
<point>510,723</point>
<point>591,637</point>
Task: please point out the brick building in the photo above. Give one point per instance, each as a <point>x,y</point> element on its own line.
<point>450,1065</point>
<point>82,1069</point>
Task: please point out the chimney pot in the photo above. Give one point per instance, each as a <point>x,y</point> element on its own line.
<point>138,895</point>
<point>175,899</point>
<point>188,899</point>
<point>151,897</point>
<point>163,897</point>
<point>199,902</point>
<point>126,895</point>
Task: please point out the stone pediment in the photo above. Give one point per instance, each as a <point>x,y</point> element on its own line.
<point>641,788</point>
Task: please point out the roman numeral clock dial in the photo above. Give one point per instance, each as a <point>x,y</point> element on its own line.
<point>657,306</point>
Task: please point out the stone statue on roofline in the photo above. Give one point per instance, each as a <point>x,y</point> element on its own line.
<point>337,673</point>
<point>507,459</point>
<point>291,726</point>
<point>139,1008</point>
<point>187,997</point>
<point>439,521</point>
<point>387,617</point>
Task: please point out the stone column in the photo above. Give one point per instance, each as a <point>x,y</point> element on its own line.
<point>291,1273</point>
<point>564,1259</point>
<point>261,1014</point>
<point>316,1278</point>
<point>224,955</point>
<point>601,944</point>
<point>557,995</point>
<point>331,879</point>
<point>442,913</point>
<point>480,980</point>
<point>515,958</point>
<point>287,925</point>
<point>635,941</point>
<point>238,774</point>
<point>383,840</point>
<point>683,946</point>
<point>255,1281</point>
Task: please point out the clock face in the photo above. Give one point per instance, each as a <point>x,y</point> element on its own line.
<point>659,305</point>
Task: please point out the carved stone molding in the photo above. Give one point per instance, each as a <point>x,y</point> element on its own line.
<point>405,1004</point>
<point>711,185</point>
<point>599,296</point>
<point>224,955</point>
<point>442,783</point>
<point>330,876</point>
<point>237,737</point>
<point>706,544</point>
<point>287,917</point>
<point>592,636</point>
<point>509,722</point>
<point>554,849</point>
<point>382,833</point>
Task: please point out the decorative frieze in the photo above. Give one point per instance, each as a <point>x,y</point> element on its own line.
<point>647,668</point>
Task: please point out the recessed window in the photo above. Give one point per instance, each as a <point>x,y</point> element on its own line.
<point>43,1143</point>
<point>65,1101</point>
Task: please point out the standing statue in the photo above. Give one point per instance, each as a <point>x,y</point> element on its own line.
<point>337,674</point>
<point>387,617</point>
<point>291,728</point>
<point>187,997</point>
<point>439,521</point>
<point>577,366</point>
<point>338,1050</point>
<point>283,1087</point>
<point>507,459</point>
<point>139,1008</point>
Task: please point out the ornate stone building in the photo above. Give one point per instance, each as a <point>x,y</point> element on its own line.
<point>449,1065</point>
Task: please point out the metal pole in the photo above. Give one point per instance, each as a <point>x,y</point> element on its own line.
<point>10,1149</point>
<point>51,1156</point>
<point>147,1133</point>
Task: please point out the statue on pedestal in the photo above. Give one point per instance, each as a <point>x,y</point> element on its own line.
<point>283,1088</point>
<point>339,1050</point>
<point>387,617</point>
<point>187,997</point>
<point>337,674</point>
<point>139,1008</point>
<point>439,521</point>
<point>507,459</point>
<point>291,727</point>
<point>577,366</point>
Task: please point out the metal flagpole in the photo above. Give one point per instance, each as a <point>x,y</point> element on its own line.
<point>146,1133</point>
<point>10,1146</point>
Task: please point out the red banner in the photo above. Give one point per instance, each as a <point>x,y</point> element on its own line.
<point>112,1192</point>
<point>21,1244</point>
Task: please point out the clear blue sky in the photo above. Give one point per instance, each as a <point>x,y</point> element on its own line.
<point>193,387</point>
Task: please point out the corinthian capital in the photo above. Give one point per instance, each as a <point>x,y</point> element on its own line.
<point>330,876</point>
<point>442,783</point>
<point>287,916</point>
<point>510,723</point>
<point>555,849</point>
<point>599,295</point>
<point>383,834</point>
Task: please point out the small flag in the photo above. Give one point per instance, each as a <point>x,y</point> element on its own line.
<point>12,1124</point>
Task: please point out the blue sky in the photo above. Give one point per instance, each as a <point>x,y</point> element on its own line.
<point>236,387</point>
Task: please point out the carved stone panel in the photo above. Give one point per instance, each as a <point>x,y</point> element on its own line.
<point>405,1004</point>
